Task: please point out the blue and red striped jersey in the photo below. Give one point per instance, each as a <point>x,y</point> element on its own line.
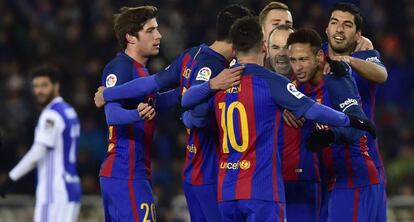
<point>249,117</point>
<point>129,145</point>
<point>298,163</point>
<point>367,91</point>
<point>348,161</point>
<point>198,65</point>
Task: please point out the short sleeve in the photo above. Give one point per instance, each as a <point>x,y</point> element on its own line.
<point>369,56</point>
<point>116,74</point>
<point>49,127</point>
<point>286,95</point>
<point>205,71</point>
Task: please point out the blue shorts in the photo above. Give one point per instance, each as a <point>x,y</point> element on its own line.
<point>355,205</point>
<point>202,202</point>
<point>382,200</point>
<point>252,211</point>
<point>127,200</point>
<point>323,215</point>
<point>303,197</point>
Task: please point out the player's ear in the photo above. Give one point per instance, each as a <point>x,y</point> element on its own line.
<point>320,56</point>
<point>57,88</point>
<point>264,47</point>
<point>358,35</point>
<point>130,38</point>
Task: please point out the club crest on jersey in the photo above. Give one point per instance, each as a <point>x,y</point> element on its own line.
<point>186,73</point>
<point>204,74</point>
<point>292,89</point>
<point>110,80</point>
<point>192,148</point>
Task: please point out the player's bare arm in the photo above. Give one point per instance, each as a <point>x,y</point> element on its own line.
<point>369,70</point>
<point>226,78</point>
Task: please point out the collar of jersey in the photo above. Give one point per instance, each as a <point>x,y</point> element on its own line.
<point>54,101</point>
<point>123,54</point>
<point>208,50</point>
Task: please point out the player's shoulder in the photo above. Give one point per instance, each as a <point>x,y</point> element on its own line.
<point>120,61</point>
<point>51,118</point>
<point>64,109</point>
<point>368,55</point>
<point>119,69</point>
<point>265,73</point>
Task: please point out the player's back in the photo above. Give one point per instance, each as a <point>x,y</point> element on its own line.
<point>129,145</point>
<point>199,64</point>
<point>249,119</point>
<point>57,174</point>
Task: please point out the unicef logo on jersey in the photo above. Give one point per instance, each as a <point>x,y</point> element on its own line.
<point>244,165</point>
<point>111,80</point>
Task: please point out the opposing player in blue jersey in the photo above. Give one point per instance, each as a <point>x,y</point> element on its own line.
<point>250,185</point>
<point>194,66</point>
<point>53,152</point>
<point>125,172</point>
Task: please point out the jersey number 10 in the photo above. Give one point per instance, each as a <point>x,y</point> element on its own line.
<point>227,113</point>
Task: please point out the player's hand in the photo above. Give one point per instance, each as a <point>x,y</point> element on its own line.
<point>5,186</point>
<point>291,120</point>
<point>362,124</point>
<point>227,78</point>
<point>338,66</point>
<point>363,44</point>
<point>99,98</point>
<point>319,140</point>
<point>146,111</point>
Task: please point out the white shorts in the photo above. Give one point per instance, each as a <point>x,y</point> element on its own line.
<point>53,212</point>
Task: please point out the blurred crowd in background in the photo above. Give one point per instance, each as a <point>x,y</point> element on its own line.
<point>77,37</point>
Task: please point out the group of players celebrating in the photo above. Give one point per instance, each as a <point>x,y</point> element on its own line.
<point>282,133</point>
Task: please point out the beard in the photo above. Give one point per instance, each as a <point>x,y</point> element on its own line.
<point>341,49</point>
<point>44,99</point>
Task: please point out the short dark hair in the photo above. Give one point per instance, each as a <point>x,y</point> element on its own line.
<point>285,27</point>
<point>46,71</point>
<point>352,9</point>
<point>226,18</point>
<point>131,21</point>
<point>246,34</point>
<point>305,35</point>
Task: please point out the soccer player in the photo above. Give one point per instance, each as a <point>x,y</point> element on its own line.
<point>53,152</point>
<point>125,172</point>
<point>250,185</point>
<point>343,32</point>
<point>353,170</point>
<point>277,50</point>
<point>273,15</point>
<point>196,65</point>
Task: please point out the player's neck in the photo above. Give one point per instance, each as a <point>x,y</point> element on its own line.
<point>317,78</point>
<point>136,56</point>
<point>250,58</point>
<point>223,48</point>
<point>345,53</point>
